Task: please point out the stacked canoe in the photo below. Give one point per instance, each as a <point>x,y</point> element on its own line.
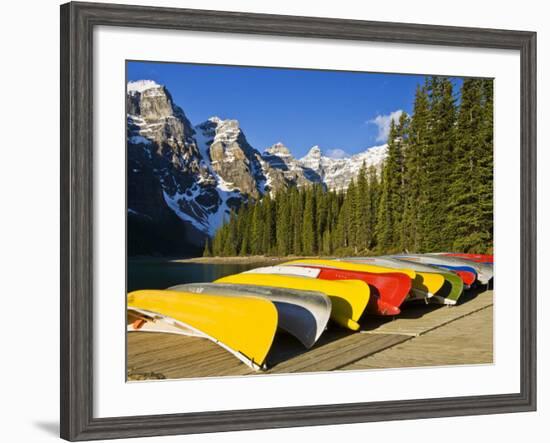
<point>243,312</point>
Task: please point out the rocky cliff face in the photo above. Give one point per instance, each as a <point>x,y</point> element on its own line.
<point>183,181</point>
<point>283,170</point>
<point>225,149</point>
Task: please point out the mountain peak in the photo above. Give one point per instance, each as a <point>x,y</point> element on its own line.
<point>148,103</point>
<point>215,119</point>
<point>221,124</point>
<point>314,152</point>
<point>278,149</point>
<point>142,85</point>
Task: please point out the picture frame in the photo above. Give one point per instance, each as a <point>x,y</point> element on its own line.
<point>78,21</point>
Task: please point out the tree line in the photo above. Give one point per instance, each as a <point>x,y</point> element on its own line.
<point>434,192</point>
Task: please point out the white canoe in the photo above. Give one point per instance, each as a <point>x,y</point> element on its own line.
<point>484,272</point>
<point>297,271</point>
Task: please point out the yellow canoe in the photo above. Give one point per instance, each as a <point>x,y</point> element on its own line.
<point>349,298</point>
<point>245,326</point>
<point>423,281</point>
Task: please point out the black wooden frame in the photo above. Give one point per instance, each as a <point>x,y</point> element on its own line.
<point>77,23</point>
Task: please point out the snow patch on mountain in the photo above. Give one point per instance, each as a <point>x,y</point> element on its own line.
<point>337,173</point>
<point>142,85</point>
<point>174,203</point>
<point>139,139</point>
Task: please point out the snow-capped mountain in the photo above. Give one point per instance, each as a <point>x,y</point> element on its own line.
<point>225,150</point>
<point>282,169</point>
<point>183,180</point>
<point>336,174</point>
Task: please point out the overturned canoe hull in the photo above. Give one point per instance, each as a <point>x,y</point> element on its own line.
<point>424,284</point>
<point>466,273</point>
<point>245,326</point>
<point>349,297</point>
<point>478,258</point>
<point>388,291</point>
<point>453,285</point>
<point>451,290</point>
<point>467,277</point>
<point>484,272</point>
<point>349,265</point>
<point>303,314</point>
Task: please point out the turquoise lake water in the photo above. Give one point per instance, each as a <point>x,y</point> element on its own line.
<point>160,274</point>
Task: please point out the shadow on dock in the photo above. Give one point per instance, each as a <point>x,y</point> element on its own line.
<point>418,309</point>
<point>286,347</point>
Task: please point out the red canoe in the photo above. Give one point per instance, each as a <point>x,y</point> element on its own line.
<point>479,258</point>
<point>388,290</point>
<point>468,278</point>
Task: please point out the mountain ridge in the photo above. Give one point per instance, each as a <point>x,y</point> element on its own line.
<point>195,175</point>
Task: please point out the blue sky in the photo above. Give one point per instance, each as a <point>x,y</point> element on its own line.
<point>339,111</point>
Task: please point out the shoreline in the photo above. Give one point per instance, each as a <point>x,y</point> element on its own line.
<point>243,260</point>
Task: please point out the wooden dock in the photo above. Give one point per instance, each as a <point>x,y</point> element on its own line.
<point>422,335</point>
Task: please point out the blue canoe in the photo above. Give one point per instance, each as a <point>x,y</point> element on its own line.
<point>456,268</point>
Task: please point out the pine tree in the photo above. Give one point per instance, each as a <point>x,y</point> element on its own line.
<point>242,229</point>
<point>326,244</point>
<point>244,217</point>
<point>414,177</point>
<point>384,222</point>
<point>217,242</point>
<point>206,252</point>
<point>321,214</point>
<point>341,241</point>
<point>282,225</point>
<point>485,158</point>
<point>244,248</point>
<point>471,179</point>
<point>372,209</point>
<point>334,210</point>
<point>362,210</point>
<point>231,242</point>
<point>352,226</point>
<point>256,229</point>
<point>391,201</point>
<point>221,241</point>
<point>296,214</point>
<point>228,249</point>
<point>399,190</point>
<point>438,159</point>
<point>308,226</point>
<point>268,233</point>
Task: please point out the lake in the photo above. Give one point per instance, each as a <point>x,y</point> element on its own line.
<point>160,274</point>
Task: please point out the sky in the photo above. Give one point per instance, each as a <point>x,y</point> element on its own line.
<point>342,112</point>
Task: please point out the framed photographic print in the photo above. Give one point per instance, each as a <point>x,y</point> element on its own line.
<point>273,221</point>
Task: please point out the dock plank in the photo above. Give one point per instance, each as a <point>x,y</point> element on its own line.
<point>462,346</point>
<point>343,353</point>
<point>418,319</point>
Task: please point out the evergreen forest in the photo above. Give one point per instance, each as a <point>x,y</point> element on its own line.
<point>433,193</point>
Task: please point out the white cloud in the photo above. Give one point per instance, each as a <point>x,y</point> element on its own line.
<point>336,153</point>
<point>383,123</point>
